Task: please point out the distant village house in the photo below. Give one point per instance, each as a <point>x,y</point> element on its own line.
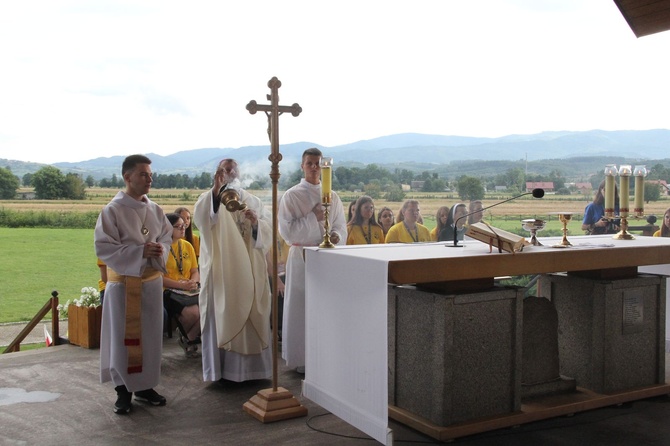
<point>548,186</point>
<point>665,191</point>
<point>583,188</point>
<point>417,185</point>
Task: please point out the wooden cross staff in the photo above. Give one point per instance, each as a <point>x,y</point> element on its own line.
<point>277,403</point>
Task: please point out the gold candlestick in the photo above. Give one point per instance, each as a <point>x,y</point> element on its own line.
<point>623,234</point>
<point>326,166</point>
<point>625,172</point>
<point>326,237</point>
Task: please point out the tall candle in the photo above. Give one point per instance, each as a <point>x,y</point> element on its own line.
<point>610,172</point>
<point>624,190</point>
<point>640,172</point>
<point>326,179</point>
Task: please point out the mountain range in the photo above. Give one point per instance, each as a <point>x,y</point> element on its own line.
<point>444,154</point>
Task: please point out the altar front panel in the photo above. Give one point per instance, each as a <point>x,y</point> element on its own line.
<point>346,363</point>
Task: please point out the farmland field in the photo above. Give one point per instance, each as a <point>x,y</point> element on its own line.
<point>46,259</point>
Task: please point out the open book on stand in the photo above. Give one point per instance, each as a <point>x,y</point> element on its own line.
<point>503,240</point>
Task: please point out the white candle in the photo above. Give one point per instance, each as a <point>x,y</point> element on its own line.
<point>624,190</point>
<point>640,172</point>
<point>326,179</point>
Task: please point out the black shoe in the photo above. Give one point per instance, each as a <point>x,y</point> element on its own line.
<point>150,396</point>
<point>123,400</point>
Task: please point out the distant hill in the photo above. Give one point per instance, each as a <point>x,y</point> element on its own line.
<point>575,153</point>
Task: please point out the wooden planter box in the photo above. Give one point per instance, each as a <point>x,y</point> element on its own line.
<point>84,326</point>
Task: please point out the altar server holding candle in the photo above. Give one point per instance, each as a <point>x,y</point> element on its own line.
<point>301,223</point>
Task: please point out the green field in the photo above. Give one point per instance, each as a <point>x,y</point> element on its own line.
<point>64,260</point>
<point>44,260</point>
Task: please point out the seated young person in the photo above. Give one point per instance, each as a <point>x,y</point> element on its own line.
<point>454,223</point>
<point>441,217</point>
<point>665,227</point>
<point>408,230</point>
<point>363,229</point>
<point>182,274</point>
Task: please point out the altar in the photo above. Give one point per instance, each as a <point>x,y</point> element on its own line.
<point>347,321</point>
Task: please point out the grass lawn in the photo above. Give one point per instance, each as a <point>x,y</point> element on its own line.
<point>44,260</point>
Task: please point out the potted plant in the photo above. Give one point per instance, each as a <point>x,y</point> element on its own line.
<point>84,318</point>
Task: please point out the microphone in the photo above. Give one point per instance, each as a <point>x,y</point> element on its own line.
<point>536,193</point>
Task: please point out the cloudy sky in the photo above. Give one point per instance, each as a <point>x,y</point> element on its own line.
<point>83,79</point>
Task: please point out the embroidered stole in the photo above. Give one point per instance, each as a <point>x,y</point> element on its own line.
<point>133,333</point>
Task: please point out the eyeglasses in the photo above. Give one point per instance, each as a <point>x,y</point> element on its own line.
<point>180,227</point>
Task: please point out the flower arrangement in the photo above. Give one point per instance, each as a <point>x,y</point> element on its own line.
<point>90,297</point>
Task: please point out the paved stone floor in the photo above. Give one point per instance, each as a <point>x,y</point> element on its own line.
<point>53,396</point>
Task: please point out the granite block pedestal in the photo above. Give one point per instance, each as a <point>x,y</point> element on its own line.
<point>454,357</point>
<point>611,332</point>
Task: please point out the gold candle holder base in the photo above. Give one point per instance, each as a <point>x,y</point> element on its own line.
<point>623,234</point>
<point>326,237</point>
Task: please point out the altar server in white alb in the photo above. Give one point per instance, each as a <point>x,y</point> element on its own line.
<point>235,299</point>
<point>133,237</point>
<point>301,223</point>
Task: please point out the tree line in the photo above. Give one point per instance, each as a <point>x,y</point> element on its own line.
<point>50,183</point>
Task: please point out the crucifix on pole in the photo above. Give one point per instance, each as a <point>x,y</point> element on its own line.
<point>278,403</point>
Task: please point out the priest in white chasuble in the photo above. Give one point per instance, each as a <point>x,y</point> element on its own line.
<point>235,299</point>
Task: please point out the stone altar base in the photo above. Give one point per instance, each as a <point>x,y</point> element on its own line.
<point>454,357</point>
<point>540,369</point>
<point>611,332</point>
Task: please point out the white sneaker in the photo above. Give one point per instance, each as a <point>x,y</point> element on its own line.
<point>300,369</point>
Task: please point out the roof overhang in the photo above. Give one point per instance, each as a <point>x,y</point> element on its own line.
<point>646,16</point>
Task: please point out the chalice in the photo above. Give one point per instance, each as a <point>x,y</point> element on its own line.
<point>533,225</point>
<point>564,218</point>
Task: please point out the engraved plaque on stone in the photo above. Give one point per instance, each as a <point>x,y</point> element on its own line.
<point>633,314</point>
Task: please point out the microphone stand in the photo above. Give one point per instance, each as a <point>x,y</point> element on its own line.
<point>537,193</point>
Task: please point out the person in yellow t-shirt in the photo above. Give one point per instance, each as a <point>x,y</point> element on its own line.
<point>440,221</point>
<point>665,227</point>
<point>189,236</point>
<point>408,230</point>
<point>363,229</point>
<point>385,219</point>
<point>102,281</point>
<point>182,274</point>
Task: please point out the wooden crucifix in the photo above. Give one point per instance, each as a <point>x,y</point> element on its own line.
<point>278,403</point>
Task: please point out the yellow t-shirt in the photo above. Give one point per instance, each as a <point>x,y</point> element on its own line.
<point>101,283</point>
<point>398,234</point>
<point>196,245</point>
<point>356,235</point>
<point>433,234</point>
<point>657,233</point>
<point>188,261</point>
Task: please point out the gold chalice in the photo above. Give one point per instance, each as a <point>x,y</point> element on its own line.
<point>564,218</point>
<point>533,225</point>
